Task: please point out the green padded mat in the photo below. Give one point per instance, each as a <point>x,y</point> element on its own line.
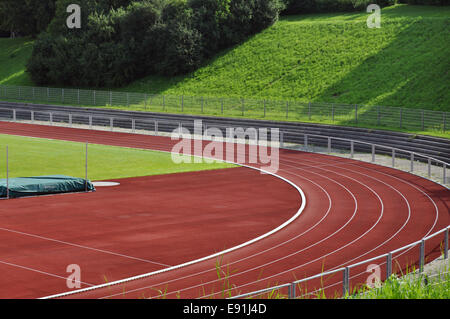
<point>42,185</point>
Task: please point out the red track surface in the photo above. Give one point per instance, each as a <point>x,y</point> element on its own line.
<point>354,211</point>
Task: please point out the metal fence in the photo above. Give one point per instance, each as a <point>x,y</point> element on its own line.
<point>325,282</point>
<point>344,114</point>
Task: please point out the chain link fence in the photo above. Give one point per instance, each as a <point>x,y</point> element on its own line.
<point>342,114</point>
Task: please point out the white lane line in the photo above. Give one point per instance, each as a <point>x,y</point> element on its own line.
<point>41,272</point>
<point>242,259</point>
<point>81,246</point>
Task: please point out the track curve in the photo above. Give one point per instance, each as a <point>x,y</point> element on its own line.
<point>354,211</point>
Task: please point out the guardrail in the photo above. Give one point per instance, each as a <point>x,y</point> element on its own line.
<point>292,287</point>
<point>412,162</point>
<point>350,114</point>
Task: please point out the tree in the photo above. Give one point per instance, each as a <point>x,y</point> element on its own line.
<point>26,17</point>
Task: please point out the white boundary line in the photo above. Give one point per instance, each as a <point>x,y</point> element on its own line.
<point>285,224</point>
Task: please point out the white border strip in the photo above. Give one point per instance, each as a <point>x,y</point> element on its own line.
<point>285,224</point>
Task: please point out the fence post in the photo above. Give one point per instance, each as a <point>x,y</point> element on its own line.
<point>156,127</point>
<point>346,281</point>
<point>444,173</point>
<point>86,170</point>
<point>287,110</point>
<point>309,111</point>
<point>51,118</point>
<point>111,123</point>
<point>281,139</point>
<point>14,115</point>
<point>373,153</point>
<point>32,116</point>
<point>329,145</point>
<point>62,95</point>
<point>291,291</point>
<point>133,125</point>
<point>423,121</point>
<point>401,117</point>
<point>78,96</point>
<point>393,158</point>
<point>94,98</point>
<point>422,256</point>
<point>412,162</point>
<point>429,168</point>
<point>182,104</point>
<point>110,98</point>
<point>264,108</point>
<point>446,243</point>
<point>352,149</point>
<point>243,107</point>
<point>443,121</point>
<point>305,142</point>
<point>70,120</point>
<point>221,105</point>
<point>90,122</point>
<point>389,265</point>
<point>7,172</point>
<point>332,113</point>
<point>378,116</point>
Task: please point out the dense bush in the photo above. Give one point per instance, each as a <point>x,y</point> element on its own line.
<point>427,2</point>
<point>119,43</point>
<point>310,6</point>
<point>26,17</point>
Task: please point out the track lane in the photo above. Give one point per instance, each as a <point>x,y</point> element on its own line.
<point>427,222</point>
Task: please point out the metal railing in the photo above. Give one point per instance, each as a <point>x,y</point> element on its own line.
<point>333,113</point>
<point>412,162</point>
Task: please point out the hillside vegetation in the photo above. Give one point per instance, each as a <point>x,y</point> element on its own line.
<point>317,57</point>
<point>332,58</point>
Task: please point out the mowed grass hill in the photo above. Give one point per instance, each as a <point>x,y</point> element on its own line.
<point>332,58</point>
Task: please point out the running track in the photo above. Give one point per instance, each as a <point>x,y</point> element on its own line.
<point>354,211</point>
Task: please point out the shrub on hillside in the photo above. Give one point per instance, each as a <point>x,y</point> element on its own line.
<point>310,6</point>
<point>116,44</point>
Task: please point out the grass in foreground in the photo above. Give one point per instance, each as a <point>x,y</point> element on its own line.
<point>38,157</point>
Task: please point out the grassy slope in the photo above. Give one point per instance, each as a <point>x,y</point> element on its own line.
<point>38,157</point>
<point>320,57</point>
<point>332,58</point>
<point>14,54</point>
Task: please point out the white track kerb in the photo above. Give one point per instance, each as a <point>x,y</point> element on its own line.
<point>288,222</point>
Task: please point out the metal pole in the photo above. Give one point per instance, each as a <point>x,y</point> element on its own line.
<point>429,168</point>
<point>352,149</point>
<point>422,255</point>
<point>281,139</point>
<point>444,177</point>
<point>306,141</point>
<point>291,291</point>
<point>373,153</point>
<point>389,265</point>
<point>393,158</point>
<point>329,145</point>
<point>446,243</point>
<point>412,162</point>
<point>287,110</point>
<point>86,170</point>
<point>264,108</point>
<point>7,173</point>
<point>346,281</point>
